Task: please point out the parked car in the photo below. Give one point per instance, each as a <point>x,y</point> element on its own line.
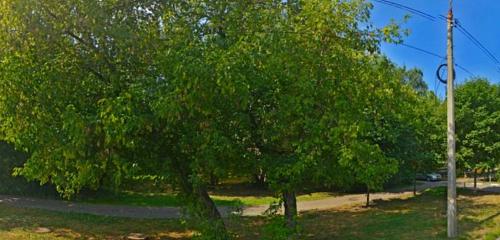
<point>431,177</point>
<point>434,177</point>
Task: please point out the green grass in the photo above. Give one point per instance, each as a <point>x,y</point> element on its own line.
<point>147,199</point>
<point>171,200</point>
<point>266,200</point>
<point>20,223</point>
<point>421,217</point>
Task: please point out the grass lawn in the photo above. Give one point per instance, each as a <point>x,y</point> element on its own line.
<point>422,217</point>
<point>266,200</point>
<point>171,200</point>
<point>20,224</point>
<point>149,199</point>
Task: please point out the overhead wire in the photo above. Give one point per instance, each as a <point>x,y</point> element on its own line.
<point>474,41</point>
<point>443,18</point>
<point>422,50</point>
<point>478,44</point>
<point>409,9</point>
<point>435,55</point>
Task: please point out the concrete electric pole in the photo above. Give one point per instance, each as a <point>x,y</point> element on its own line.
<point>452,188</point>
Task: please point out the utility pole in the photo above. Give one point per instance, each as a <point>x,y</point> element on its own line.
<point>452,187</point>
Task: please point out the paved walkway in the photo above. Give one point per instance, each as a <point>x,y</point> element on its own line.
<point>95,209</point>
<point>481,186</point>
<point>348,199</point>
<point>174,212</point>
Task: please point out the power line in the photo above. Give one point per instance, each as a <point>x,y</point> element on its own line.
<point>435,55</point>
<point>459,26</point>
<point>476,42</point>
<point>464,69</point>
<point>422,50</point>
<point>409,9</point>
<point>442,17</point>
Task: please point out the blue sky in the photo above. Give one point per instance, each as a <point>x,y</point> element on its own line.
<point>480,17</point>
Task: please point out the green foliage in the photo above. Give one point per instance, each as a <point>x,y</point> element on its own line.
<point>414,79</point>
<point>478,124</point>
<point>275,230</point>
<point>99,92</point>
<point>420,142</point>
<point>209,232</point>
<point>369,164</point>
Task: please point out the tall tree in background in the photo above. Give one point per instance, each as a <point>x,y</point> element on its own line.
<point>478,125</point>
<point>421,145</point>
<point>415,79</point>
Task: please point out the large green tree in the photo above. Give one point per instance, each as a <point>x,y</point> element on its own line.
<point>314,79</point>
<point>98,91</point>
<point>478,125</point>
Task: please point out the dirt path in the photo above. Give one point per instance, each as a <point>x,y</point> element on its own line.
<point>174,212</point>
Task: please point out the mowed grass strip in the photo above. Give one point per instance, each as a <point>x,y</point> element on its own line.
<point>421,217</point>
<point>171,200</point>
<point>266,200</point>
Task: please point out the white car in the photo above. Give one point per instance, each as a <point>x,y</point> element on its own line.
<point>431,177</point>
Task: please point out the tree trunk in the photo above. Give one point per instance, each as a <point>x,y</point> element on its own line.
<point>475,179</point>
<point>202,206</point>
<point>214,180</point>
<point>415,184</point>
<point>260,178</point>
<point>465,178</point>
<point>208,207</point>
<point>290,202</point>
<point>490,172</point>
<point>367,196</point>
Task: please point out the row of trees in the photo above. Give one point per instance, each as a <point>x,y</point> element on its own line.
<point>99,91</point>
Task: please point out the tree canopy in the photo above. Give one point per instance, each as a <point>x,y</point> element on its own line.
<point>478,124</point>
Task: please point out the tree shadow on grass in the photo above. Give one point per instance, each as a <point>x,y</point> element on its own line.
<point>420,217</point>
<point>386,219</point>
<point>479,214</point>
<point>490,218</point>
<point>491,189</point>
